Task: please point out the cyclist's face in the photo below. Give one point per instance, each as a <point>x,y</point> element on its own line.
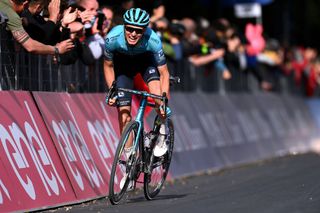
<point>133,34</point>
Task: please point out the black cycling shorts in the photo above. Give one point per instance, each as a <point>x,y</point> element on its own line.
<point>126,67</point>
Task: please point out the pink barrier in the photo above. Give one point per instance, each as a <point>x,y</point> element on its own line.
<point>56,148</point>
<point>85,132</point>
<point>32,175</point>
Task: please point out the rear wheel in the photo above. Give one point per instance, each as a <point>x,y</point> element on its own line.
<point>158,167</point>
<point>123,164</point>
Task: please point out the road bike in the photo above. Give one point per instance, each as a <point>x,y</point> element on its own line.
<point>141,160</point>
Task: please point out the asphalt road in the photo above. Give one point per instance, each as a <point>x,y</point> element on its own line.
<point>288,184</point>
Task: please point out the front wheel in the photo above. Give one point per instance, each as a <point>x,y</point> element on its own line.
<point>123,164</point>
<point>159,167</point>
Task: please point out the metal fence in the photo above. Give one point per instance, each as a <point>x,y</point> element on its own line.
<point>20,70</point>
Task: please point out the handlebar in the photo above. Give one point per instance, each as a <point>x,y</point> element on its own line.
<point>113,90</point>
<point>174,80</point>
<point>142,93</point>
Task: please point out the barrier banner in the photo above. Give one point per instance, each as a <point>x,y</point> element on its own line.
<point>9,200</point>
<point>33,176</point>
<point>314,105</point>
<point>85,132</point>
<point>214,131</point>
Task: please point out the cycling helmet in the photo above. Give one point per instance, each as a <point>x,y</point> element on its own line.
<point>136,17</point>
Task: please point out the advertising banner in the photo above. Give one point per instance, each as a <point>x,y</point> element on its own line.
<point>214,131</point>
<point>9,200</point>
<point>85,132</point>
<point>32,174</point>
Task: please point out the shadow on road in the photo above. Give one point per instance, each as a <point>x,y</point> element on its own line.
<point>159,197</point>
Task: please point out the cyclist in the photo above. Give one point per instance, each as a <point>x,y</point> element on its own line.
<point>130,49</point>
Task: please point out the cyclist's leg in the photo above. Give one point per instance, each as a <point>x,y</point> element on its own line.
<point>124,117</point>
<point>152,78</point>
<point>124,102</point>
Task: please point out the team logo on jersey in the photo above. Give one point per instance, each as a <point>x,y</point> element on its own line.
<point>151,71</point>
<point>121,94</point>
<point>107,54</point>
<point>161,55</point>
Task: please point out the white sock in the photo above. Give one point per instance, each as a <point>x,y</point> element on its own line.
<point>162,129</point>
<point>128,151</point>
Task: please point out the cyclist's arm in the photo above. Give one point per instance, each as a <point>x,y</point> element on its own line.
<point>164,78</point>
<point>108,72</point>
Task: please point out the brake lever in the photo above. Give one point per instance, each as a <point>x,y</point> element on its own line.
<point>112,92</point>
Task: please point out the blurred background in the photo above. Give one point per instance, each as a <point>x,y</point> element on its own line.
<point>217,46</point>
<point>290,21</point>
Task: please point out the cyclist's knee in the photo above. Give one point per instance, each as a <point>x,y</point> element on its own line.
<point>125,119</point>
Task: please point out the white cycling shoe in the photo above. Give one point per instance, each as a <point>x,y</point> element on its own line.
<point>161,147</point>
<point>123,181</point>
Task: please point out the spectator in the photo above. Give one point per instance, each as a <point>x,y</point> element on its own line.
<point>210,52</point>
<point>108,23</point>
<point>121,9</point>
<point>46,31</point>
<point>12,8</point>
<point>89,18</point>
<point>158,11</point>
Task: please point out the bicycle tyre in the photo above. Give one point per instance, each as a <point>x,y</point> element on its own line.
<point>120,159</point>
<point>152,186</point>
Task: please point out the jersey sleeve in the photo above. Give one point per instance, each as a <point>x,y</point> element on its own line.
<point>108,50</point>
<point>156,48</point>
<point>111,43</point>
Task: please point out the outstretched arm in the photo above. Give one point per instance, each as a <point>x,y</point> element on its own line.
<point>36,47</point>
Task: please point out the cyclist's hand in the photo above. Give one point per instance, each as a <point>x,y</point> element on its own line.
<point>112,96</point>
<point>112,101</point>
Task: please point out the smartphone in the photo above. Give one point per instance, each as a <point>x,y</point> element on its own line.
<point>101,18</point>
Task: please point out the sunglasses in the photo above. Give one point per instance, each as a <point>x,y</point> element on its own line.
<point>131,30</point>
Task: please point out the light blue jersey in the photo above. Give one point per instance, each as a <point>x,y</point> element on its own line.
<point>149,43</point>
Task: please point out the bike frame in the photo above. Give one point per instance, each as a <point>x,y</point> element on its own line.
<point>139,117</point>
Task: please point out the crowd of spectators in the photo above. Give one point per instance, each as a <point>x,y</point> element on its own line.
<point>74,30</point>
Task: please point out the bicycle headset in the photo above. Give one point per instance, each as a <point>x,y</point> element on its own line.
<point>136,17</point>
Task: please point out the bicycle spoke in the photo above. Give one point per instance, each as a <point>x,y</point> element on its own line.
<point>123,165</point>
<point>158,168</point>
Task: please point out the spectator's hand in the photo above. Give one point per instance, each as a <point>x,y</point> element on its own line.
<point>54,10</point>
<point>218,52</point>
<point>65,46</point>
<point>87,15</point>
<point>266,86</point>
<point>69,17</point>
<point>174,40</point>
<point>226,75</point>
